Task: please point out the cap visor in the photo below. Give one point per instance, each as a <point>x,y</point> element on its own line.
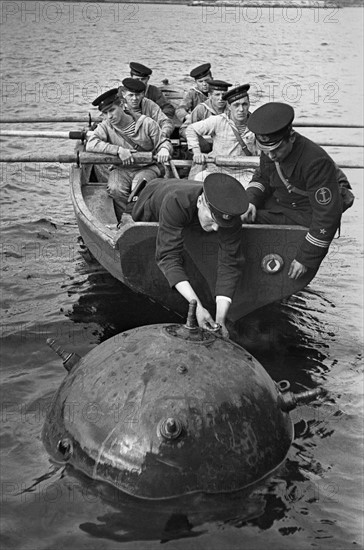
<point>221,222</point>
<point>266,148</point>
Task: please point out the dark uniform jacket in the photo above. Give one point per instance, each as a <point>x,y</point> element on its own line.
<point>155,94</point>
<point>174,204</point>
<point>309,169</point>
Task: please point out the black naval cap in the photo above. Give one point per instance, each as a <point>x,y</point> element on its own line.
<point>218,85</point>
<point>106,99</point>
<point>271,123</point>
<point>139,70</point>
<point>133,85</point>
<point>236,93</point>
<point>226,198</point>
<point>201,71</point>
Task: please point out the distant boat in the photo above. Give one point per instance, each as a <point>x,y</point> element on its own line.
<point>268,3</point>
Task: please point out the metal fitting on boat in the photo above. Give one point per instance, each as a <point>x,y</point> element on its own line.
<point>272,263</point>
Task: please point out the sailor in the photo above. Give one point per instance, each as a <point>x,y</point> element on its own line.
<point>120,134</point>
<point>217,205</point>
<point>133,92</point>
<point>230,137</point>
<point>296,183</point>
<point>141,72</point>
<point>198,93</point>
<point>214,105</point>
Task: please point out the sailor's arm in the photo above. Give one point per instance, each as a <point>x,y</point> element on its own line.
<point>197,130</point>
<point>167,126</point>
<point>324,196</point>
<point>204,318</point>
<point>152,110</point>
<point>169,256</point>
<point>222,307</point>
<point>165,123</point>
<point>258,191</point>
<point>162,146</point>
<point>97,143</point>
<point>229,269</point>
<point>198,113</point>
<point>185,106</point>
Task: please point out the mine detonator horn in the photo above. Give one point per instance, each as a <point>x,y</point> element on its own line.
<point>289,401</point>
<point>191,323</point>
<point>69,359</point>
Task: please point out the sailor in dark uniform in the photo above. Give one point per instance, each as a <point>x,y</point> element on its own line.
<point>216,205</point>
<point>141,72</point>
<point>296,183</point>
<point>198,93</point>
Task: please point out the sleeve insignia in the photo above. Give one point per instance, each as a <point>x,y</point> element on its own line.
<point>323,196</point>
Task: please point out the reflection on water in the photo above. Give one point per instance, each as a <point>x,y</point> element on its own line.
<point>284,337</point>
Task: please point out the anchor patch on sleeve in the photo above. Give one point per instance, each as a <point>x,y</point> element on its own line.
<point>323,196</point>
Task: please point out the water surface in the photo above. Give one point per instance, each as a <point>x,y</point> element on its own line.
<point>56,58</point>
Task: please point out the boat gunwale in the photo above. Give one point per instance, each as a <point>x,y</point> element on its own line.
<point>112,238</point>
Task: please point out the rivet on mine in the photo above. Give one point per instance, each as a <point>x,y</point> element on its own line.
<point>182,369</point>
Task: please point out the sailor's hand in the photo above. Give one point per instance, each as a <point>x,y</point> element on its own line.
<point>250,215</point>
<point>224,331</point>
<point>204,319</point>
<point>199,158</point>
<point>296,270</point>
<point>126,157</point>
<point>163,155</point>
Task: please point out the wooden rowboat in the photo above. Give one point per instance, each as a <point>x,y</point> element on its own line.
<point>128,253</point>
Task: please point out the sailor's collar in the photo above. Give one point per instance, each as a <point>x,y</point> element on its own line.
<point>199,92</point>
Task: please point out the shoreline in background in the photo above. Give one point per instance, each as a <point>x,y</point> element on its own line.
<point>307,4</point>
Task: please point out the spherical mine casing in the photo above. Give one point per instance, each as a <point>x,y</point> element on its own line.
<point>158,415</point>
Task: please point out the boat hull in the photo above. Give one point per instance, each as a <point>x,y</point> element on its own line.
<point>128,254</point>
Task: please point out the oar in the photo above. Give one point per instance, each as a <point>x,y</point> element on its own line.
<point>79,158</point>
<point>246,162</point>
<point>324,125</point>
<point>83,134</point>
<point>89,120</point>
<point>83,120</point>
<point>74,134</point>
<point>140,158</point>
<point>331,144</point>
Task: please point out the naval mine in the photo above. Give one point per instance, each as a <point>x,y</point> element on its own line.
<point>168,410</point>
